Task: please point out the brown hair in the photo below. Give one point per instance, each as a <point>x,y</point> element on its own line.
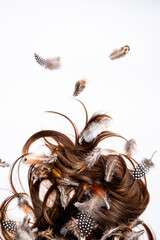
<point>91,192</point>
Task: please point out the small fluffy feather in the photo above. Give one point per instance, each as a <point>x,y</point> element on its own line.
<point>79,87</point>
<point>93,205</point>
<point>118,53</point>
<point>67,181</point>
<point>110,168</point>
<point>22,201</point>
<point>50,63</point>
<point>122,231</point>
<point>63,196</point>
<point>130,146</point>
<point>70,226</point>
<point>48,234</point>
<point>110,232</point>
<point>25,232</point>
<point>94,129</point>
<point>92,158</point>
<point>148,162</point>
<point>132,235</point>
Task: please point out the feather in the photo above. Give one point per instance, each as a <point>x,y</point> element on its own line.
<point>36,159</point>
<point>50,63</point>
<point>22,200</point>
<point>94,129</point>
<point>23,203</point>
<point>116,238</point>
<point>102,194</point>
<point>93,205</point>
<point>9,225</point>
<point>40,172</point>
<point>135,223</point>
<point>132,235</point>
<point>143,168</point>
<point>85,224</point>
<point>130,146</point>
<point>25,232</point>
<point>63,196</point>
<point>109,233</point>
<point>92,158</point>
<point>33,159</point>
<point>118,53</point>
<point>79,87</point>
<point>48,234</point>
<point>66,181</point>
<point>4,164</point>
<point>110,168</point>
<point>70,226</point>
<point>115,231</point>
<point>51,159</point>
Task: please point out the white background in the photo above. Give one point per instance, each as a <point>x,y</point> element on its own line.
<point>83,33</point>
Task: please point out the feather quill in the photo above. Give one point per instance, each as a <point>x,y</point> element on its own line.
<point>50,63</point>
<point>110,168</point>
<point>118,53</point>
<point>79,87</point>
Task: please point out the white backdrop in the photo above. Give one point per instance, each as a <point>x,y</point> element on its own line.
<point>83,33</point>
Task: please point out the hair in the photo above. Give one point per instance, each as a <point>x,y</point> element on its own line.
<point>90,192</point>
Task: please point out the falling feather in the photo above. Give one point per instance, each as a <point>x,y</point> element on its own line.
<point>130,146</point>
<point>94,129</point>
<point>79,87</point>
<point>4,164</point>
<point>92,158</point>
<point>118,53</point>
<point>110,168</point>
<point>50,63</point>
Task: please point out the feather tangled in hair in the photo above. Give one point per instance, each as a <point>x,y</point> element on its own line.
<point>89,193</point>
